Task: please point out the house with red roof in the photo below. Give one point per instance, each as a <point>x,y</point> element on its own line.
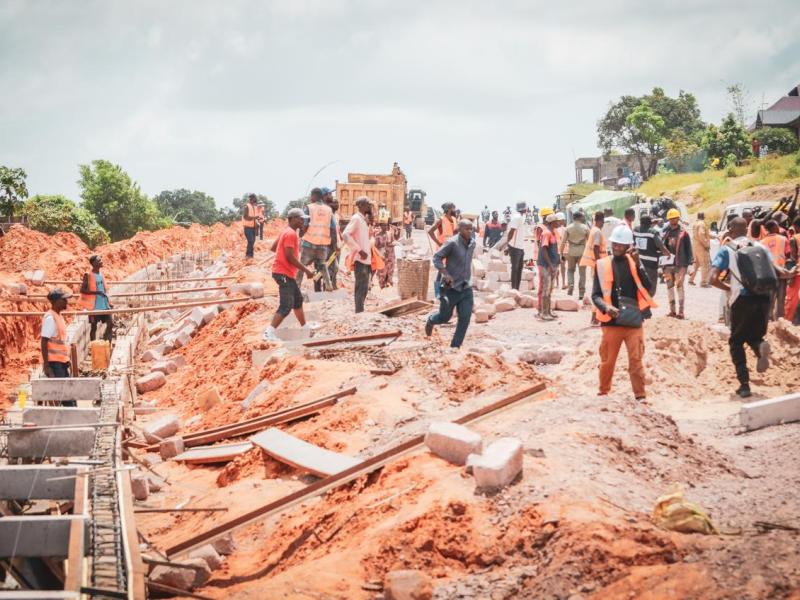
<point>784,113</point>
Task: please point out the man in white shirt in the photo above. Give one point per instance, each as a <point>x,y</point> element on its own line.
<point>356,236</point>
<point>517,231</point>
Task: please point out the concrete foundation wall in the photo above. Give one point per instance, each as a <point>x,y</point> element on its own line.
<point>52,415</point>
<point>25,482</point>
<point>28,537</point>
<point>44,443</point>
<point>69,388</point>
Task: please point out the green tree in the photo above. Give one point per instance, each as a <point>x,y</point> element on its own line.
<point>728,140</point>
<point>681,151</point>
<point>299,203</point>
<point>51,214</point>
<point>12,189</point>
<point>616,132</point>
<point>185,206</point>
<point>116,201</point>
<point>777,139</point>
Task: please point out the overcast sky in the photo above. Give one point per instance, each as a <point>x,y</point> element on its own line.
<point>479,102</point>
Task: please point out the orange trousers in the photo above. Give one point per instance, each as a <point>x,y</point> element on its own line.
<point>612,340</point>
<point>792,298</point>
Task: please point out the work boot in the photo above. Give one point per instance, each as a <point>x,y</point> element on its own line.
<point>672,312</point>
<point>763,356</point>
<point>744,391</point>
<point>428,328</point>
<point>680,312</point>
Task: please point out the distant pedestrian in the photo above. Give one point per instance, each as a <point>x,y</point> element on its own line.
<point>547,261</point>
<point>517,232</point>
<point>357,236</point>
<point>454,262</point>
<point>701,245</point>
<point>492,231</point>
<point>681,257</point>
<point>572,246</point>
<point>651,247</point>
<point>250,220</point>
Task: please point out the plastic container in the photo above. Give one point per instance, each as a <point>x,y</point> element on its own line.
<point>101,354</point>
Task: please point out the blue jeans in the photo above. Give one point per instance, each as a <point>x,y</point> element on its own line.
<point>460,301</point>
<point>250,235</point>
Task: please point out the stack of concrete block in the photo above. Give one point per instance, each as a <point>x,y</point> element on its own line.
<point>254,289</point>
<point>491,269</point>
<point>34,277</point>
<point>196,570</point>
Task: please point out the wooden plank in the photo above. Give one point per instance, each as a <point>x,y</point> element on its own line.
<point>302,455</point>
<point>77,537</point>
<point>772,411</point>
<point>383,335</point>
<point>216,434</point>
<point>140,281</point>
<point>137,571</point>
<point>213,454</point>
<point>120,311</point>
<point>329,483</point>
<point>403,307</point>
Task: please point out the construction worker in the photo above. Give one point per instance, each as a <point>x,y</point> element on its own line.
<point>792,309</point>
<point>386,237</point>
<point>454,262</point>
<point>595,249</point>
<point>621,300</point>
<point>357,236</point>
<point>443,229</point>
<point>572,246</point>
<point>547,261</point>
<point>284,272</point>
<point>261,213</point>
<point>559,229</point>
<point>333,249</point>
<point>318,237</point>
<point>55,349</point>
<point>629,217</point>
<point>250,220</point>
<point>515,239</point>
<point>701,244</point>
<point>94,296</point>
<point>677,263</point>
<point>778,246</point>
<point>749,311</point>
<point>492,231</point>
<point>650,246</point>
<point>408,221</point>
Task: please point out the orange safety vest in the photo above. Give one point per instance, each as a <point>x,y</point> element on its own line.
<point>86,301</point>
<point>319,225</point>
<point>250,214</point>
<point>605,274</point>
<point>776,244</point>
<point>448,228</point>
<point>587,260</point>
<point>57,347</point>
<point>408,218</point>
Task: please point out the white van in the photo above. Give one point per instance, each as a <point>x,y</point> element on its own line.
<point>736,210</point>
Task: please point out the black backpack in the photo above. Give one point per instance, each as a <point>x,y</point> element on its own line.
<point>756,272</point>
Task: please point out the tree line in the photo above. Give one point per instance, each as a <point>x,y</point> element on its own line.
<point>112,207</point>
<point>655,126</point>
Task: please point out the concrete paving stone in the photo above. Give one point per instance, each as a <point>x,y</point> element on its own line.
<point>196,316</point>
<point>546,355</point>
<point>166,367</point>
<point>505,304</point>
<point>209,313</point>
<point>161,428</point>
<point>176,577</point>
<point>209,554</point>
<point>171,446</point>
<point>178,359</point>
<point>452,442</point>
<point>225,545</point>
<point>407,585</point>
<point>567,304</point>
<point>154,483</point>
<point>152,355</point>
<point>481,316</point>
<point>182,339</point>
<point>20,289</point>
<point>499,464</point>
<point>151,381</point>
<point>140,487</point>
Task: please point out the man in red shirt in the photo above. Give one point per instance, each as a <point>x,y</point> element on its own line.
<point>284,270</point>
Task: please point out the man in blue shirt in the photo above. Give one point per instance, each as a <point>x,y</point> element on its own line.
<point>454,262</point>
<point>749,312</point>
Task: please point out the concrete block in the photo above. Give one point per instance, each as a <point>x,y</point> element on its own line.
<point>527,275</point>
<point>209,313</point>
<point>171,446</point>
<point>493,286</point>
<point>33,482</point>
<point>38,536</point>
<point>19,288</point>
<point>292,334</point>
<point>528,301</point>
<point>239,289</point>
<point>481,316</point>
<point>525,286</point>
<point>46,389</point>
<point>567,304</point>
<point>150,382</point>
<point>773,411</point>
<point>452,442</point>
<point>482,285</point>
<point>255,393</point>
<point>225,545</point>
<point>51,415</point>
<point>492,298</point>
<point>505,277</point>
<point>161,428</point>
<point>256,290</point>
<point>496,265</point>
<point>259,357</point>
<point>499,464</point>
<point>505,304</point>
<point>154,484</point>
<point>545,355</point>
<point>196,316</point>
<point>176,577</point>
<point>164,366</point>
<point>50,442</point>
<point>178,360</point>
<point>209,554</point>
<point>407,585</point>
<point>208,398</point>
<point>34,277</point>
<point>140,487</point>
<point>492,276</point>
<point>201,571</point>
<point>154,354</point>
<point>182,339</point>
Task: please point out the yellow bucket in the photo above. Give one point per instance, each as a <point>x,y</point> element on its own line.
<point>101,354</point>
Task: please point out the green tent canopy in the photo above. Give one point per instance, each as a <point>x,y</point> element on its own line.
<point>603,199</point>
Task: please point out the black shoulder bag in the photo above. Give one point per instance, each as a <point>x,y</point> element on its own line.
<point>629,313</point>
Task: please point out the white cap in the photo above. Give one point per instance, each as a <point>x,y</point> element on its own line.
<point>561,216</point>
<point>622,234</point>
<point>551,218</point>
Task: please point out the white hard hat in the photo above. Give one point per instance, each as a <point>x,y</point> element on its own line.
<point>551,218</point>
<point>622,234</point>
<point>561,216</point>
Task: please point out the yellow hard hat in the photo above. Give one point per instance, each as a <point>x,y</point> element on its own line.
<point>545,211</point>
<point>673,213</point>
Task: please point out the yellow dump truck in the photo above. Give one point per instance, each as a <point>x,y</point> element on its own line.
<point>389,190</point>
